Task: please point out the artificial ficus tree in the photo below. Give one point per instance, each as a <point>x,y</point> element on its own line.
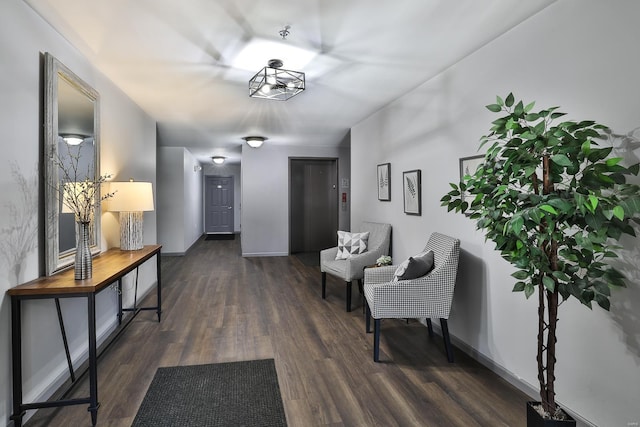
<point>555,203</point>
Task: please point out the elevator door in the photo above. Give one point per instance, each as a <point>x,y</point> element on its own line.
<point>313,204</point>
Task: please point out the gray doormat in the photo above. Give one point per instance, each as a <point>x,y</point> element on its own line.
<point>221,394</point>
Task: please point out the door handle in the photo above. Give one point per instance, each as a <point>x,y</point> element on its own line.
<point>229,207</point>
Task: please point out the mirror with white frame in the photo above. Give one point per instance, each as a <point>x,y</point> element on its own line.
<point>72,130</point>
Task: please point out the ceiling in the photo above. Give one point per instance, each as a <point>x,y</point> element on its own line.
<point>174,59</point>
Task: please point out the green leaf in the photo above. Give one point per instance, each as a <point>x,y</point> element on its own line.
<point>521,274</point>
<point>586,147</point>
<point>519,287</point>
<point>549,283</point>
<point>599,154</point>
<point>519,109</point>
<point>516,224</point>
<point>618,212</point>
<point>494,108</point>
<point>593,202</point>
<point>613,161</point>
<point>561,160</point>
<point>509,101</point>
<point>548,208</point>
<point>603,301</point>
<point>529,107</point>
<point>528,290</point>
<point>499,101</point>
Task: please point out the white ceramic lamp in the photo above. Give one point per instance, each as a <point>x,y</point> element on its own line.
<point>131,199</point>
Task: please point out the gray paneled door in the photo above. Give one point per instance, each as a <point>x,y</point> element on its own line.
<point>313,204</point>
<point>218,204</point>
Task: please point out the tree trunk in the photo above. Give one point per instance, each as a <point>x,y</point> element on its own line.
<point>547,315</point>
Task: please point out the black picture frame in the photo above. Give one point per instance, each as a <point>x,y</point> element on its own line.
<point>412,191</point>
<point>384,182</point>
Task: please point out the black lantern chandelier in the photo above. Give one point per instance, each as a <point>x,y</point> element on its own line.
<point>274,82</point>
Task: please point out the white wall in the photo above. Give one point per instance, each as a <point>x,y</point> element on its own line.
<point>193,183</point>
<point>170,196</point>
<point>229,170</point>
<point>179,200</point>
<point>581,55</point>
<point>265,195</point>
<point>128,149</point>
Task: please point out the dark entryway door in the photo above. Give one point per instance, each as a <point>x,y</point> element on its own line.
<point>313,204</point>
<point>218,204</point>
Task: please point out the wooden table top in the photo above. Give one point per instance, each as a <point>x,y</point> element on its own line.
<point>107,268</point>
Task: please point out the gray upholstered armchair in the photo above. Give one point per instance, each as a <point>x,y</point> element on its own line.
<point>353,268</point>
<point>428,296</point>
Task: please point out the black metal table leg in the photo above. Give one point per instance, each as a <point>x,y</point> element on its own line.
<point>159,287</point>
<point>16,360</point>
<point>93,359</point>
<point>65,342</point>
<point>120,301</point>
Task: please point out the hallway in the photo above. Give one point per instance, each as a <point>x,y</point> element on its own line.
<point>220,307</point>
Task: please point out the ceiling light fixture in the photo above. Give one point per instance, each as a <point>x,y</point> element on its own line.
<point>255,141</point>
<point>218,160</point>
<point>274,82</point>
<point>73,139</point>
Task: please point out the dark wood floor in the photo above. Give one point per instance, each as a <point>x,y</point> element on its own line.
<point>220,307</point>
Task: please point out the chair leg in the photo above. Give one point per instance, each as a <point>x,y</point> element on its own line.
<point>447,340</point>
<point>376,340</point>
<point>349,296</point>
<point>367,321</point>
<point>324,285</point>
<point>430,328</point>
<point>361,293</point>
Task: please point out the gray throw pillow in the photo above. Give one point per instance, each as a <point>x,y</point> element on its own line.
<point>416,266</point>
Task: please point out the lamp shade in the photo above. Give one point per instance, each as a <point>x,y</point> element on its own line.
<point>131,196</point>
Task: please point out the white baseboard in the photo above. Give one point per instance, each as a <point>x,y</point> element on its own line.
<point>263,254</point>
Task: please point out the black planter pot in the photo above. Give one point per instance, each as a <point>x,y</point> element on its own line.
<point>534,419</point>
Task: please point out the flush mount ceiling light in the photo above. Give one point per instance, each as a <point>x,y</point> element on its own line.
<point>218,160</point>
<point>255,141</point>
<point>274,82</point>
<point>73,139</point>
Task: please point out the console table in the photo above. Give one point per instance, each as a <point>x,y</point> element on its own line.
<point>108,267</point>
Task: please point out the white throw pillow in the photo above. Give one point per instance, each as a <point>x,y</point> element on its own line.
<point>351,244</point>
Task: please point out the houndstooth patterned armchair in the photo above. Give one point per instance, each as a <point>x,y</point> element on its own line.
<point>427,297</point>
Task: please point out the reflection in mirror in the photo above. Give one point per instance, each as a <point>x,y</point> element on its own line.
<point>71,140</point>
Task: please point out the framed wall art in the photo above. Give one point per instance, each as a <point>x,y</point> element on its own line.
<point>412,188</point>
<point>384,182</point>
<point>468,166</point>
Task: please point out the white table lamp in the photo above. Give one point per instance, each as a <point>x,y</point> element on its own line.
<point>131,199</point>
